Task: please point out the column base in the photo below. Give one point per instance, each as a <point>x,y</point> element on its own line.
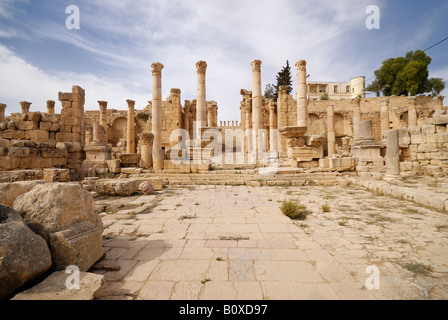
<point>158,157</point>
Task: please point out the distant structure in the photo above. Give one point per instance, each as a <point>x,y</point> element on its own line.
<point>337,90</point>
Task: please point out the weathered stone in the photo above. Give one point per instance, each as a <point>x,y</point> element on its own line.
<point>114,166</point>
<point>126,188</point>
<point>56,175</point>
<point>147,188</point>
<point>129,159</point>
<point>80,245</point>
<point>23,254</point>
<point>55,288</point>
<point>10,191</point>
<point>50,208</point>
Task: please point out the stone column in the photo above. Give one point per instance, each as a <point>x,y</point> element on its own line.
<point>103,114</point>
<point>99,134</point>
<point>257,104</point>
<point>209,116</point>
<point>438,103</point>
<point>158,152</point>
<point>147,141</point>
<point>215,115</point>
<point>302,95</point>
<point>385,120</point>
<point>412,112</point>
<point>131,127</point>
<point>25,107</point>
<point>201,101</point>
<point>331,131</point>
<point>50,107</point>
<point>187,115</point>
<point>356,117</point>
<point>273,132</point>
<point>2,111</point>
<point>393,155</point>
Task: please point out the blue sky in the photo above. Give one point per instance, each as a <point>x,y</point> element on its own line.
<point>111,54</point>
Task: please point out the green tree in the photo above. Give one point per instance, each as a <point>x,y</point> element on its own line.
<point>375,86</point>
<point>436,85</point>
<point>269,92</point>
<point>406,76</point>
<point>284,78</point>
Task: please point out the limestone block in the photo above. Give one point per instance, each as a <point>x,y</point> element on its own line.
<point>105,188</point>
<point>65,96</point>
<point>79,245</point>
<point>50,208</point>
<point>114,166</point>
<point>19,135</point>
<point>429,129</point>
<point>4,143</point>
<point>23,254</point>
<point>28,125</point>
<point>131,170</point>
<point>413,130</point>
<point>55,118</point>
<point>34,116</point>
<point>54,288</point>
<point>8,134</point>
<point>129,159</point>
<point>418,139</point>
<point>59,162</point>
<point>37,135</point>
<point>22,152</point>
<point>10,191</point>
<point>126,188</point>
<point>56,175</point>
<point>53,153</point>
<point>49,126</point>
<point>406,166</point>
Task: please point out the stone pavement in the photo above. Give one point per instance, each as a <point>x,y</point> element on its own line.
<point>226,242</point>
<point>219,243</point>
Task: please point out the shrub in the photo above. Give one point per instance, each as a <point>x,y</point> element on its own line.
<point>326,208</point>
<point>293,209</point>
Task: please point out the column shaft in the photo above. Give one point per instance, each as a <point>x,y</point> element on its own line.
<point>131,127</point>
<point>302,95</point>
<point>331,131</point>
<point>158,154</point>
<point>257,104</point>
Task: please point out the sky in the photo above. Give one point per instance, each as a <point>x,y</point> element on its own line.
<point>111,53</point>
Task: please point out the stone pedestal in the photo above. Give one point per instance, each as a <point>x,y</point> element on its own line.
<point>365,149</point>
<point>98,152</point>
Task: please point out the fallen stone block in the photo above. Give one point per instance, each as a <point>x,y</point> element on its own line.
<point>56,175</point>
<point>9,192</point>
<point>147,188</point>
<point>51,208</point>
<point>55,288</point>
<point>80,245</point>
<point>23,254</point>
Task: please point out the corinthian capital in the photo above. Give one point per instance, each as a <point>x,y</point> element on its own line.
<point>131,103</point>
<point>256,65</point>
<point>157,69</point>
<point>301,65</point>
<point>201,66</point>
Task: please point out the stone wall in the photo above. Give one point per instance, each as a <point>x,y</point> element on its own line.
<point>34,140</point>
<point>425,149</point>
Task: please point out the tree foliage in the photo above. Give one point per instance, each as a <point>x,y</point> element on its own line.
<point>269,92</point>
<point>284,78</point>
<point>407,75</point>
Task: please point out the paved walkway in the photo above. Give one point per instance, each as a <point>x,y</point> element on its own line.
<point>211,243</point>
